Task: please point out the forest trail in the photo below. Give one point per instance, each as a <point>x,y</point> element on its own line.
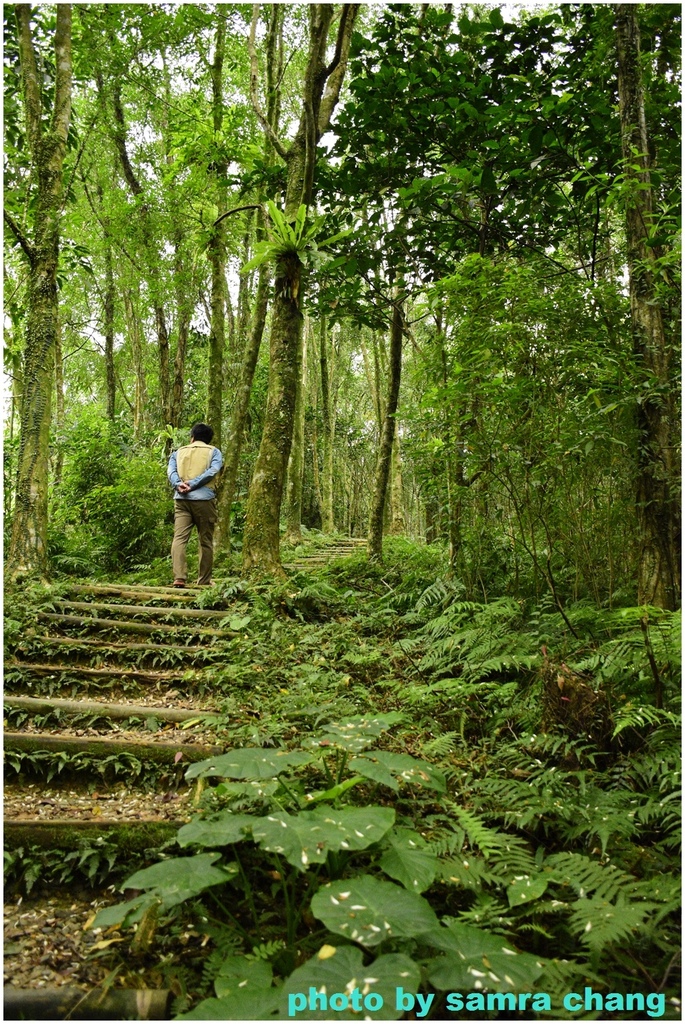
<point>114,681</point>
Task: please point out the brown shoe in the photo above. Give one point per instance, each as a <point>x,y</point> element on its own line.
<point>179,583</point>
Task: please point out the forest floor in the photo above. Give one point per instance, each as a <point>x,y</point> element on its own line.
<point>96,782</point>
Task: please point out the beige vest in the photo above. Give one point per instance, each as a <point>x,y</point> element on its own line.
<point>194,459</point>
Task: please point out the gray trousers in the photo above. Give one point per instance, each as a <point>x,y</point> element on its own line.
<point>203,516</point>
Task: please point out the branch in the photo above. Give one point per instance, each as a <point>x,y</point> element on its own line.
<point>62,109</point>
<point>120,138</point>
<point>335,72</point>
<point>29,78</point>
<point>20,237</point>
<point>104,226</point>
<point>82,149</point>
<point>254,84</point>
<point>238,209</point>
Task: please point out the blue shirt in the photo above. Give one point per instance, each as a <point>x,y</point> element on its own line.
<point>198,489</point>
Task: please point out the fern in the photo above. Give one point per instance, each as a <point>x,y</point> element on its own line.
<point>598,922</point>
<point>585,876</point>
<point>640,716</point>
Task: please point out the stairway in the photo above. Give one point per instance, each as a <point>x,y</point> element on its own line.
<point>109,696</point>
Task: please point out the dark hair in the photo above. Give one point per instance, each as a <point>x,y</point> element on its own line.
<point>201,432</point>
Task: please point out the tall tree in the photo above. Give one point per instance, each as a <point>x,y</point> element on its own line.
<point>217,246</point>
<point>47,138</point>
<point>657,476</point>
<point>321,89</point>
<point>375,540</point>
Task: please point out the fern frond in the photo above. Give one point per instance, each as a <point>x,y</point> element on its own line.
<point>598,922</point>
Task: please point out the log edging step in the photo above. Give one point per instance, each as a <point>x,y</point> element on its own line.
<point>110,645</point>
<point>126,626</point>
<point>118,711</point>
<point>132,835</point>
<point>160,753</point>
<point>146,675</point>
<point>69,1002</point>
<point>143,609</point>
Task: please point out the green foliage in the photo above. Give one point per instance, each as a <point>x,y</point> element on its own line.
<point>291,239</point>
<point>113,506</point>
<point>94,861</point>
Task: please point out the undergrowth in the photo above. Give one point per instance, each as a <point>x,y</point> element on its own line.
<point>517,769</point>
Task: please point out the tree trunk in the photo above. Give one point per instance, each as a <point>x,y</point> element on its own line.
<point>322,83</point>
<point>119,137</point>
<point>375,543</point>
<point>397,523</point>
<point>217,251</point>
<point>261,538</point>
<point>657,471</point>
<point>236,434</point>
<point>293,534</point>
<point>59,402</point>
<point>184,288</point>
<point>47,145</point>
<point>140,400</point>
<point>327,360</point>
<point>432,507</point>
<point>110,380</point>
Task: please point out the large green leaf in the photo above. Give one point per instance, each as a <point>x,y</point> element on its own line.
<point>356,733</point>
<point>216,829</point>
<point>307,838</point>
<point>181,878</point>
<point>368,910</point>
<point>245,1004</point>
<point>477,959</point>
<point>248,763</point>
<point>237,974</point>
<point>391,769</point>
<point>341,969</point>
<point>525,888</point>
<point>408,860</point>
<point>168,883</point>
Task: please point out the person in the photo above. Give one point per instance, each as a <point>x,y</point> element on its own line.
<point>192,472</point>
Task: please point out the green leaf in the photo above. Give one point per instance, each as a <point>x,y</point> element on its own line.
<point>335,792</point>
<point>368,910</point>
<point>216,829</point>
<point>356,733</point>
<point>488,182</point>
<point>181,878</point>
<point>123,914</point>
<point>341,969</point>
<point>308,837</point>
<point>476,959</point>
<point>248,763</point>
<point>391,769</point>
<point>408,860</point>
<point>237,974</point>
<point>525,888</point>
<point>496,19</point>
<point>246,1004</point>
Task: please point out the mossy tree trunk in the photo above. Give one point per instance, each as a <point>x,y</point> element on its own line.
<point>328,360</point>
<point>217,249</point>
<point>119,133</point>
<point>59,404</point>
<point>47,142</point>
<point>252,342</point>
<point>375,536</point>
<point>293,534</point>
<point>140,399</point>
<point>658,482</point>
<point>241,405</point>
<point>397,522</point>
<point>321,88</point>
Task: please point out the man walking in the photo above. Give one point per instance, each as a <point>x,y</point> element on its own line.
<point>192,472</point>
